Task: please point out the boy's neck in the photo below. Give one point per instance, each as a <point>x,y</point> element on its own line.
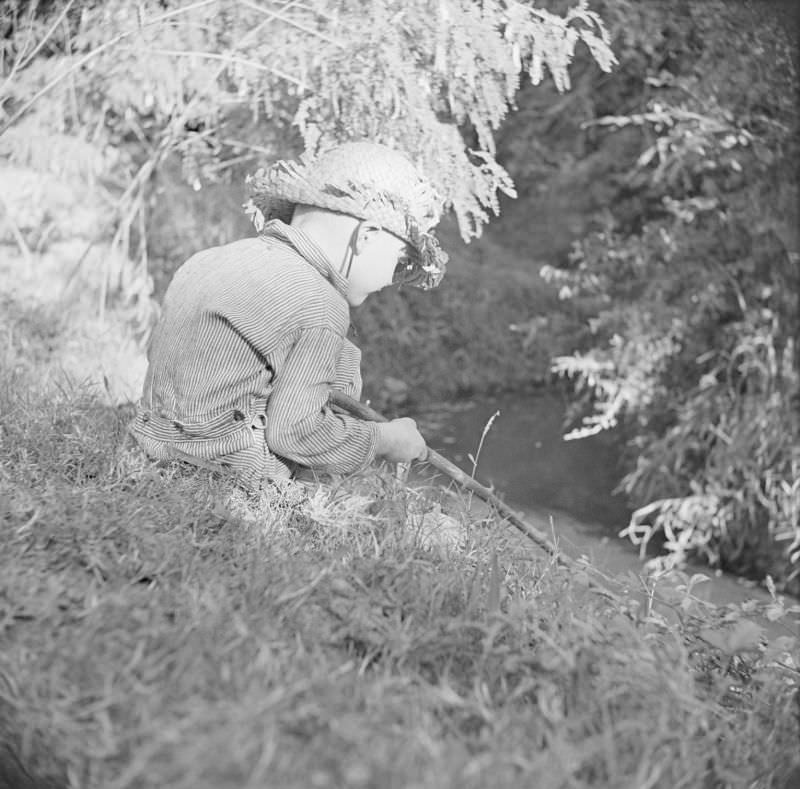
<point>332,232</point>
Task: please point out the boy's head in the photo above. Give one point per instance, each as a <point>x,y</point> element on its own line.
<point>363,253</point>
<point>366,193</point>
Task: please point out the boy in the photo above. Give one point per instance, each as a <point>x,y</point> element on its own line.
<point>252,338</point>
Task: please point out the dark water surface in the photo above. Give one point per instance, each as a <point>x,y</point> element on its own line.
<point>563,488</point>
<point>524,456</point>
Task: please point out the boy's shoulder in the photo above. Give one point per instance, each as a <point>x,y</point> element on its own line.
<point>268,272</point>
<point>240,250</point>
<point>254,259</point>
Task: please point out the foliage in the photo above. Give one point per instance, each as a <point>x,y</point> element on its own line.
<point>691,292</point>
<point>199,91</point>
<point>109,90</point>
<point>453,342</point>
<point>151,637</point>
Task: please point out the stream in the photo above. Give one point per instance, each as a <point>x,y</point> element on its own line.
<point>562,487</point>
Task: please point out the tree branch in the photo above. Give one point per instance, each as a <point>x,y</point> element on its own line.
<point>29,58</point>
<point>227,59</point>
<point>293,22</point>
<point>96,51</point>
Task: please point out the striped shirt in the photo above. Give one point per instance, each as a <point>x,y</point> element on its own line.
<point>250,342</point>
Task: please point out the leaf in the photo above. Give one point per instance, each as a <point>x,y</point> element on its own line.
<point>494,586</point>
<point>780,647</point>
<point>745,635</point>
<point>714,637</point>
<point>775,612</point>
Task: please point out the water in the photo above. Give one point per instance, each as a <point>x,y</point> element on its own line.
<point>524,455</point>
<point>563,488</point>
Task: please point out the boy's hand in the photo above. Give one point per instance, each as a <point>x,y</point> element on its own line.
<point>400,442</point>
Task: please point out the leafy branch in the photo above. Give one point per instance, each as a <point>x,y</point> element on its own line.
<point>335,70</point>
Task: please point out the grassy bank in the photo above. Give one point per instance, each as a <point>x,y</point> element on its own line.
<point>151,637</point>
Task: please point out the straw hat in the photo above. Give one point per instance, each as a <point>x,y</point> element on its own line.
<point>362,179</point>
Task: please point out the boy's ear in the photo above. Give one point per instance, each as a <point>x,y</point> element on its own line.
<point>365,233</point>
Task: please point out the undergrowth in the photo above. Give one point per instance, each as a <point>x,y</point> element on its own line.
<point>456,341</point>
<point>150,637</point>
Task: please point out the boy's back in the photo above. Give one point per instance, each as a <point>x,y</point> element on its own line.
<point>227,313</point>
<point>252,339</point>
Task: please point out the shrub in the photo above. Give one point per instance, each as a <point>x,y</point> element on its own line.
<point>107,92</point>
<point>692,301</point>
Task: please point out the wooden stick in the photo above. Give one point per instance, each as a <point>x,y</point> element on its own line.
<point>441,463</point>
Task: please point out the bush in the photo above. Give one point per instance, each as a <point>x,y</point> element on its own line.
<point>108,91</point>
<point>691,294</point>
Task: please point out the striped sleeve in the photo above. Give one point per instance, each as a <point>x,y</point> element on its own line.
<point>300,426</point>
<point>348,370</point>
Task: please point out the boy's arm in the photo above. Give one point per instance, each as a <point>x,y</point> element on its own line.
<point>348,370</point>
<point>300,424</point>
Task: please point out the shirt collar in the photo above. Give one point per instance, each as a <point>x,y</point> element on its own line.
<point>309,251</point>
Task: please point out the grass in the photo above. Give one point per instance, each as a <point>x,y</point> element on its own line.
<point>150,637</point>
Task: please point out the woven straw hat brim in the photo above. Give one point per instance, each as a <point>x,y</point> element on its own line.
<point>279,192</point>
<point>326,184</point>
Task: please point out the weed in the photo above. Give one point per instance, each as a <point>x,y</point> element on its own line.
<point>152,637</point>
